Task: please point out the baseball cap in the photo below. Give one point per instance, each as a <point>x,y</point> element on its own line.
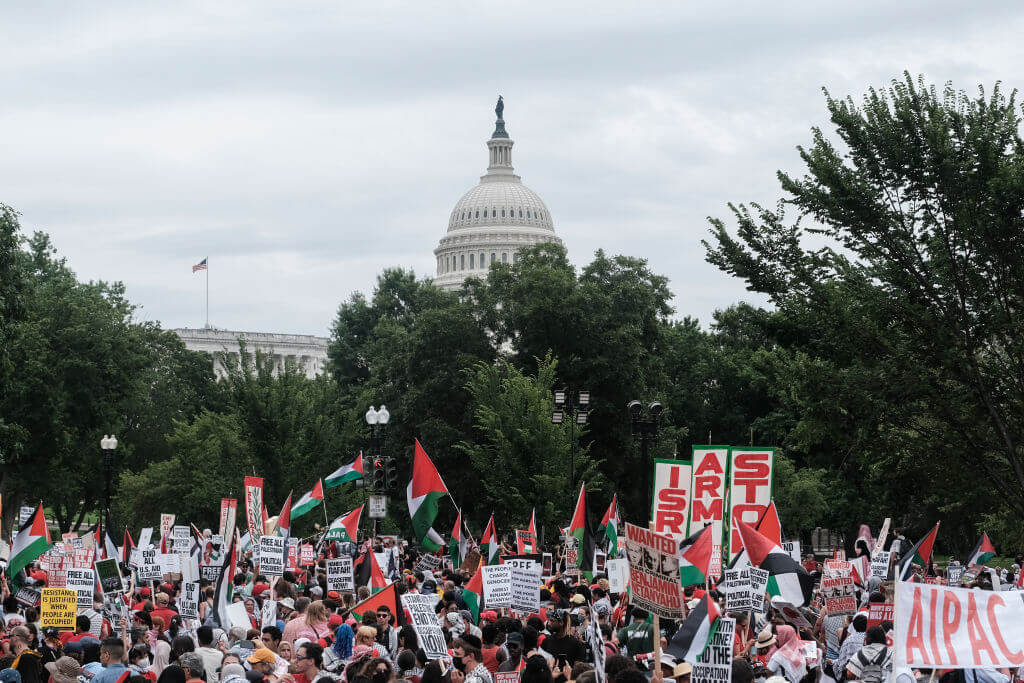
<point>514,638</point>
<point>489,615</point>
<point>334,595</point>
<point>262,655</point>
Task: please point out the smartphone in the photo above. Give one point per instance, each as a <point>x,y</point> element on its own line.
<point>562,661</point>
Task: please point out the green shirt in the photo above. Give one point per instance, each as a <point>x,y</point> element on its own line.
<point>637,638</point>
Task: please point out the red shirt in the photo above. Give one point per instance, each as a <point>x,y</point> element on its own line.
<point>258,588</point>
<point>490,655</point>
<point>72,637</point>
<point>165,614</point>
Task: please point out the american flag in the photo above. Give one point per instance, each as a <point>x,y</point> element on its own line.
<point>199,266</point>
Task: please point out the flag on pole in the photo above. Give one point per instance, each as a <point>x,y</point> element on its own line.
<point>695,557</point>
<point>982,553</point>
<point>490,541</point>
<point>920,554</point>
<point>33,540</point>
<point>367,572</point>
<point>693,636</point>
<point>346,527</point>
<point>309,500</point>
<point>345,473</point>
<point>224,586</point>
<point>581,528</point>
<point>126,548</point>
<point>386,596</point>
<point>768,526</point>
<point>200,266</point>
<point>424,492</point>
<point>457,546</point>
<point>609,527</point>
<point>283,526</point>
<point>532,528</point>
<point>786,578</point>
<point>472,592</point>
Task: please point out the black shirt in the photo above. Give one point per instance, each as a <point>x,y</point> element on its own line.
<point>569,646</point>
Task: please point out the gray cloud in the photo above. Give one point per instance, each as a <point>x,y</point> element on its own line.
<point>305,147</point>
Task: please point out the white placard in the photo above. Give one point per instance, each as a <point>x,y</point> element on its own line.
<point>238,616</point>
<point>82,581</point>
<point>880,564</point>
<point>170,563</point>
<point>268,613</point>
<point>145,537</point>
<point>149,566</point>
<point>714,665</point>
<point>744,589</point>
<point>272,550</point>
<point>339,575</point>
<point>525,585</point>
<point>497,580</point>
<point>793,548</point>
<point>188,602</point>
<point>424,621</point>
<point>618,574</point>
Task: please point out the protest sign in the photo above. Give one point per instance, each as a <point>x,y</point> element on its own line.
<point>293,554</point>
<point>525,585</point>
<point>149,566</point>
<point>547,565</point>
<point>708,497</point>
<point>268,614</point>
<point>880,564</point>
<point>188,603</point>
<point>254,506</point>
<point>170,563</point>
<point>307,555</point>
<point>671,499</point>
<point>427,563</point>
<point>29,597</point>
<point>879,612</point>
<point>180,532</point>
<point>791,613</point>
<point>744,589</point>
<point>954,574</point>
<point>618,574</point>
<point>714,665</point>
<point>654,572</point>
<point>506,677</point>
<point>839,594</point>
<point>83,558</point>
<point>750,489</point>
<point>109,576</point>
<point>271,556</point>
<point>957,628</point>
<point>24,513</point>
<point>472,562</point>
<point>228,510</point>
<point>882,535</point>
<point>210,572</point>
<point>145,537</point>
<point>238,616</point>
<point>166,524</point>
<point>497,581</point>
<point>526,542</point>
<point>793,548</point>
<point>339,575</point>
<point>82,582</point>
<point>58,608</point>
<point>424,622</point>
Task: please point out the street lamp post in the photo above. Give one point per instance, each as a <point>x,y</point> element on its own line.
<point>571,405</point>
<point>644,429</point>
<point>377,421</point>
<point>108,443</point>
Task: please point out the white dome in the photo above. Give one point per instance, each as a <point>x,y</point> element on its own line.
<point>494,220</point>
<point>500,203</point>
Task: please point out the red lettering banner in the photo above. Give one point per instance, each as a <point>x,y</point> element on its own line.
<point>707,492</point>
<point>750,489</point>
<point>670,504</point>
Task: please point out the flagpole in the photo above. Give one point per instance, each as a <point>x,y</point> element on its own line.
<point>459,511</point>
<point>207,292</point>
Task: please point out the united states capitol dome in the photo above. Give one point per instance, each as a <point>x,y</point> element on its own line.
<point>494,220</point>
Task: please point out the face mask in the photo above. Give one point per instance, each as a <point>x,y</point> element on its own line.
<point>458,664</point>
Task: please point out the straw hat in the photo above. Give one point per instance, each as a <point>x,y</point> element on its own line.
<point>64,670</point>
<point>765,638</point>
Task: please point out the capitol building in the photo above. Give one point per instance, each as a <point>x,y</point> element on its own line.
<point>494,220</point>
<point>490,224</point>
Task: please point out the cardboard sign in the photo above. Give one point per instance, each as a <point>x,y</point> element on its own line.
<point>506,677</point>
<point>145,537</point>
<point>714,665</point>
<point>427,563</point>
<point>957,628</point>
<point>268,614</point>
<point>880,565</point>
<point>497,581</point>
<point>750,489</point>
<point>745,588</point>
<point>424,622</point>
<point>82,582</point>
<point>708,497</point>
<point>654,572</point>
<point>272,555</point>
<point>293,554</point>
<point>471,563</point>
<point>671,500</point>
<point>188,601</point>
<point>525,585</point>
<point>339,575</point>
<point>58,608</point>
<point>109,576</point>
<point>618,574</point>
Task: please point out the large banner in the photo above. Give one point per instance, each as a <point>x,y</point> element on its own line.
<point>707,492</point>
<point>654,572</point>
<point>228,511</point>
<point>750,488</point>
<point>670,503</point>
<point>254,507</point>
<point>957,628</point>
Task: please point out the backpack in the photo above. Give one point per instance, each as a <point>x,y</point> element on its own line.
<point>871,671</point>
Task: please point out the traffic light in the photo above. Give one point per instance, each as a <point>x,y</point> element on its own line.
<point>391,474</point>
<point>379,474</point>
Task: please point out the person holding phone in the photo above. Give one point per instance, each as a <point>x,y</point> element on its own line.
<point>561,644</point>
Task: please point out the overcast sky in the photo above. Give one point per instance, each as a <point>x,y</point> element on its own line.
<point>304,147</point>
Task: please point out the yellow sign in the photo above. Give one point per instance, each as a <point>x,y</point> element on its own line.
<point>58,608</point>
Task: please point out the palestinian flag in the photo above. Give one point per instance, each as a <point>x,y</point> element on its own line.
<point>423,494</point>
<point>982,553</point>
<point>366,572</point>
<point>386,596</point>
<point>222,592</point>
<point>532,528</point>
<point>473,593</point>
<point>768,526</point>
<point>695,557</point>
<point>693,636</point>
<point>126,549</point>
<point>582,530</point>
<point>345,473</point>
<point>346,527</point>
<point>284,520</point>
<point>33,540</point>
<point>490,542</point>
<point>309,500</point>
<point>609,528</point>
<point>457,546</point>
<point>786,578</point>
<point>920,554</point>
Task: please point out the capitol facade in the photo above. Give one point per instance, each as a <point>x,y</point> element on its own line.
<point>494,220</point>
